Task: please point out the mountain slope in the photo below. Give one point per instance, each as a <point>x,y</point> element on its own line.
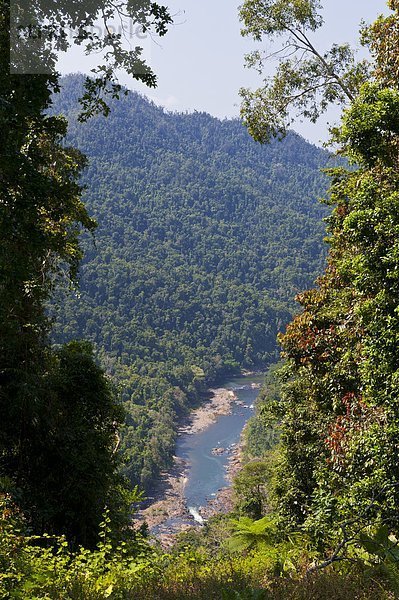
<point>204,238</point>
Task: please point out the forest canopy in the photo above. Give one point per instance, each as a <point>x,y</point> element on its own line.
<point>204,238</point>
<point>195,262</point>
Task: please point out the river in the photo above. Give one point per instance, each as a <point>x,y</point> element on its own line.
<point>207,453</point>
<point>201,462</point>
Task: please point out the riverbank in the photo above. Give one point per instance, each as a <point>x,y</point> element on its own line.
<point>168,513</point>
<point>202,417</point>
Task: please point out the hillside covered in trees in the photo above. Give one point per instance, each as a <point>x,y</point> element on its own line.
<point>316,504</point>
<point>204,237</point>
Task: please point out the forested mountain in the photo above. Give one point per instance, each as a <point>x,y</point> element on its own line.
<point>203,239</point>
<point>200,241</point>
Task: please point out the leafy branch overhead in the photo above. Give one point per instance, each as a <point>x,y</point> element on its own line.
<point>307,80</point>
<point>113,30</point>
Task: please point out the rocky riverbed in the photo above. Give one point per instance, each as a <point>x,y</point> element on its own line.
<point>188,493</point>
<point>168,513</point>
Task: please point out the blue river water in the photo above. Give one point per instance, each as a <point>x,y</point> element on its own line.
<point>207,470</point>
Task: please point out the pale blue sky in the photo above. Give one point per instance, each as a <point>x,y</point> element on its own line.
<point>200,61</point>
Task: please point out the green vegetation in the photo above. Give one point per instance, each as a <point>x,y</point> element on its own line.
<point>307,79</point>
<point>40,30</point>
<point>342,349</point>
<point>316,511</point>
<point>204,237</point>
<point>40,217</point>
<point>262,431</point>
<point>33,567</point>
<point>335,473</point>
<point>59,416</point>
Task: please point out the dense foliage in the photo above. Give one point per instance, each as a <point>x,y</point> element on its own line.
<point>200,567</point>
<point>203,239</point>
<point>40,217</point>
<point>58,412</point>
<point>319,493</point>
<point>337,471</point>
<point>343,346</point>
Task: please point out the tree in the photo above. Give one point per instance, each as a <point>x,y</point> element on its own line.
<point>71,461</point>
<point>250,489</point>
<point>46,399</point>
<point>40,217</point>
<point>340,419</point>
<point>39,30</point>
<point>307,80</point>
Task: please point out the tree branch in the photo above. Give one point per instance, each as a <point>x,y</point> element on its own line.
<point>328,67</point>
